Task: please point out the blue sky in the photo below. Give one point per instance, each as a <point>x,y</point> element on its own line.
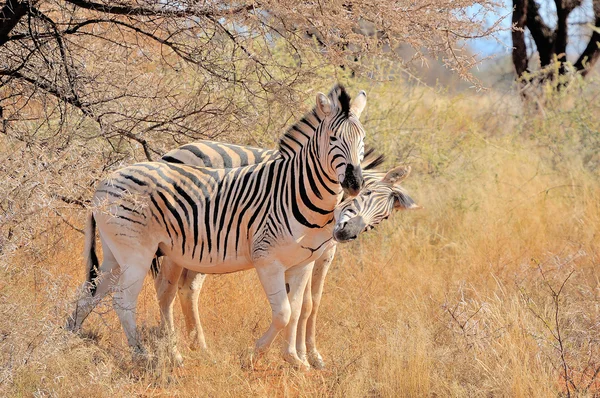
<point>578,33</point>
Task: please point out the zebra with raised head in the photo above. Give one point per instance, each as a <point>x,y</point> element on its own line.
<point>380,197</point>
<point>275,216</point>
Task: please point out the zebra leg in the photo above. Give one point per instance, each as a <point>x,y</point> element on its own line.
<point>166,289</point>
<point>318,280</point>
<point>190,285</point>
<point>272,279</point>
<point>89,300</point>
<point>304,314</point>
<point>296,278</point>
<point>134,268</point>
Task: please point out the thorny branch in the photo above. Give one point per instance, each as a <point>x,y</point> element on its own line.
<point>556,329</point>
<point>89,85</point>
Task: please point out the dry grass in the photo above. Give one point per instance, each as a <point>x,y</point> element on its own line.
<point>460,299</point>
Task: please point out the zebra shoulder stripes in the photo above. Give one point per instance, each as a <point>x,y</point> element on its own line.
<point>274,216</point>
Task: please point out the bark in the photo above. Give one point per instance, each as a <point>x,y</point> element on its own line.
<point>541,33</point>
<point>519,54</point>
<point>551,44</point>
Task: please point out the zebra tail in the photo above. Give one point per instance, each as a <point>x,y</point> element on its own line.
<point>90,253</point>
<point>155,267</point>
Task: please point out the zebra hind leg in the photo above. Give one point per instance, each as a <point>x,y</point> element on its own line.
<point>190,285</point>
<point>166,289</point>
<point>134,268</point>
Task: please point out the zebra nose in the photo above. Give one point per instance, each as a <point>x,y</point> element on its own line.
<point>347,231</point>
<point>340,226</point>
<point>353,180</point>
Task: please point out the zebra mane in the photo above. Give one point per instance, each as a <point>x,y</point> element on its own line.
<point>298,135</point>
<point>371,160</point>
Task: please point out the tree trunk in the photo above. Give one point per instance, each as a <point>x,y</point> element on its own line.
<point>551,44</point>
<point>590,55</point>
<point>519,54</point>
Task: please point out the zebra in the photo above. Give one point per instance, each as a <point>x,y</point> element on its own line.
<point>381,195</point>
<point>275,216</point>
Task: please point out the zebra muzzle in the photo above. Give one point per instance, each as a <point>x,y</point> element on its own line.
<point>353,180</point>
<point>349,230</point>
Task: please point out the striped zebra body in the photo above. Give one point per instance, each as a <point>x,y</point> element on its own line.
<point>275,216</point>
<point>377,205</point>
<point>198,229</point>
<point>219,155</point>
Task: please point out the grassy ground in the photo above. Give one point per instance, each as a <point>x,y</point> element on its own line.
<point>493,289</point>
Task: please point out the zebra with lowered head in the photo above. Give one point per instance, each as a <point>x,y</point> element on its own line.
<point>275,216</point>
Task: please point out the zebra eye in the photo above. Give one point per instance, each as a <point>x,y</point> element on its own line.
<point>333,139</point>
<point>367,192</point>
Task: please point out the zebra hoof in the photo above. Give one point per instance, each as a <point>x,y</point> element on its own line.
<point>140,355</point>
<point>197,346</point>
<point>71,325</point>
<point>316,360</point>
<point>296,362</point>
<point>304,359</point>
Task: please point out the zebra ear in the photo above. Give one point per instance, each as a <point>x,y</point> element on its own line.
<point>404,202</point>
<point>359,103</point>
<point>323,104</point>
<point>396,175</point>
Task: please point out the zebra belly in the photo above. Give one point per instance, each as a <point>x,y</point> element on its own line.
<point>209,264</point>
<point>220,268</point>
<point>289,252</point>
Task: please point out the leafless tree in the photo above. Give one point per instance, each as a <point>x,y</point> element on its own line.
<point>87,84</point>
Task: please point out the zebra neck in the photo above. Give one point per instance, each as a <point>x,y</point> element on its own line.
<point>314,194</point>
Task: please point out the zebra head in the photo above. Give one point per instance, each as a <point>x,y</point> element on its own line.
<point>379,198</point>
<point>342,137</point>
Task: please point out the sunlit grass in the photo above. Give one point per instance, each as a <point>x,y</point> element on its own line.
<point>452,300</point>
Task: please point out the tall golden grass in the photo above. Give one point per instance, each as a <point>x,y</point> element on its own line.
<point>491,290</point>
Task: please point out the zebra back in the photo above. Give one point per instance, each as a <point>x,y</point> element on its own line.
<point>219,155</point>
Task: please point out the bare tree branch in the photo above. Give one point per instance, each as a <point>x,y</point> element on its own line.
<point>10,15</point>
<point>174,12</point>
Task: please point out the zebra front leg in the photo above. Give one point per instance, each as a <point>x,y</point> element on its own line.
<point>190,285</point>
<point>297,278</point>
<point>272,279</point>
<point>304,314</point>
<point>166,288</point>
<point>318,281</point>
